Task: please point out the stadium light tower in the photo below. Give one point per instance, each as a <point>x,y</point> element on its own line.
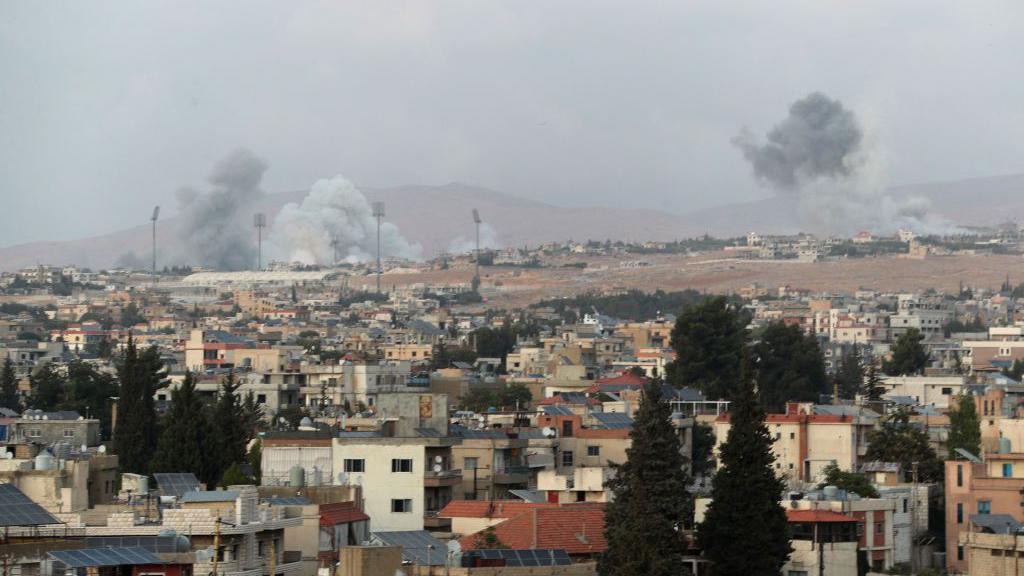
<point>156,214</point>
<point>476,258</point>
<point>260,221</point>
<point>378,214</point>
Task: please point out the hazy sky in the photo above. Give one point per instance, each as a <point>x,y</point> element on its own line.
<point>107,108</point>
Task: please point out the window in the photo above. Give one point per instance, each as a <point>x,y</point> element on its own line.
<point>69,432</point>
<point>34,432</point>
<point>792,435</point>
<point>567,428</point>
<point>879,527</point>
<point>401,505</point>
<point>261,398</point>
<point>567,458</point>
<point>947,391</point>
<point>984,507</point>
<point>593,450</point>
<point>355,465</point>
<point>960,553</point>
<point>959,475</point>
<point>1007,470</point>
<point>401,464</point>
<point>469,463</point>
<point>797,573</point>
<point>959,512</point>
<point>905,506</point>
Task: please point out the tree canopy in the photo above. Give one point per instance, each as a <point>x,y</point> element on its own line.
<point>140,375</point>
<point>964,427</point>
<point>849,481</point>
<point>790,367</point>
<point>898,440</point>
<point>708,339</point>
<point>908,355</point>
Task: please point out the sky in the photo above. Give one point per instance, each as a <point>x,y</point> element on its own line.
<point>107,108</point>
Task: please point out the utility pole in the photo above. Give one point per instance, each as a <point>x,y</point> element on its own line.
<point>216,543</point>
<point>378,214</point>
<point>260,221</point>
<point>156,214</point>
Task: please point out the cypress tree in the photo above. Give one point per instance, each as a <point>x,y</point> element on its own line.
<point>644,520</point>
<point>708,339</point>
<point>135,436</point>
<point>850,374</point>
<point>9,387</point>
<point>872,387</point>
<point>745,529</point>
<point>183,444</point>
<point>964,428</point>
<point>229,425</point>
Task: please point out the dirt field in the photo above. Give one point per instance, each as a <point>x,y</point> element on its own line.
<point>720,273</point>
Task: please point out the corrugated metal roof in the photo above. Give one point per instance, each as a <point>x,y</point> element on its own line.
<point>210,496</point>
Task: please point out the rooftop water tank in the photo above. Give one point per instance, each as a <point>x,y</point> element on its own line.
<point>45,461</point>
<point>1004,445</point>
<point>831,492</point>
<point>296,476</point>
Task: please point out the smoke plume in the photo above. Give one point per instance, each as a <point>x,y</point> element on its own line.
<point>335,218</point>
<point>216,229</point>
<point>467,244</point>
<point>820,152</point>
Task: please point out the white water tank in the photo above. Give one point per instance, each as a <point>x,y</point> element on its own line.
<point>45,461</point>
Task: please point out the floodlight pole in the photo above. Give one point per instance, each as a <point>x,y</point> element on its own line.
<point>260,221</point>
<point>156,214</point>
<point>378,213</point>
<point>476,254</point>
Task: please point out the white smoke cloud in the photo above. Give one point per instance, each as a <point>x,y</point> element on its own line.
<point>821,152</point>
<point>488,239</point>
<point>335,216</point>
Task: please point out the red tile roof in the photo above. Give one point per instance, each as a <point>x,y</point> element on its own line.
<point>340,513</point>
<point>486,509</point>
<point>627,377</point>
<point>576,528</point>
<point>817,516</point>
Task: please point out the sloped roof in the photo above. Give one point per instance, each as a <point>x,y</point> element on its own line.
<point>627,377</point>
<point>488,509</point>
<point>576,528</point>
<point>340,513</point>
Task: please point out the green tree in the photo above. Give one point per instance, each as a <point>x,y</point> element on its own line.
<point>849,481</point>
<point>9,397</point>
<point>708,339</point>
<point>488,539</point>
<point>872,388</point>
<point>184,444</point>
<point>908,355</point>
<point>644,520</point>
<point>88,391</point>
<point>255,458</point>
<point>745,529</point>
<point>964,427</point>
<point>1016,371</point>
<point>703,449</point>
<point>515,395</point>
<point>235,476</point>
<point>130,315</point>
<point>897,440</point>
<point>135,438</point>
<point>790,367</point>
<point>230,424</point>
<point>849,376</point>
<point>47,388</point>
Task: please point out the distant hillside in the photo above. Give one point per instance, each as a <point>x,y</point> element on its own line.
<point>435,216</point>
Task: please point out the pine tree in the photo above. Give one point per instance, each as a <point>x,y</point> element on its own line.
<point>850,374</point>
<point>745,529</point>
<point>184,442</point>
<point>708,339</point>
<point>908,355</point>
<point>872,388</point>
<point>135,437</point>
<point>898,440</point>
<point>964,428</point>
<point>229,425</point>
<point>644,520</point>
<point>9,387</point>
<point>790,367</point>
<point>47,388</point>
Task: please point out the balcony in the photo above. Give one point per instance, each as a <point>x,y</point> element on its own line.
<point>431,521</point>
<point>433,479</point>
<point>511,475</point>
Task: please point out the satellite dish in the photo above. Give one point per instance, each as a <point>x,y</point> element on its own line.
<point>455,551</point>
<point>102,449</point>
<point>7,455</point>
<point>343,479</point>
<point>549,432</point>
<point>438,459</point>
<point>84,448</point>
<point>438,468</point>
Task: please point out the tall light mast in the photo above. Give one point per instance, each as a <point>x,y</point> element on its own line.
<point>378,214</point>
<point>476,254</point>
<point>156,214</point>
<point>260,221</point>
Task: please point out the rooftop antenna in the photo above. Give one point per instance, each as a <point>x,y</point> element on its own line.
<point>156,214</point>
<point>378,214</point>
<point>476,222</point>
<point>260,221</point>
